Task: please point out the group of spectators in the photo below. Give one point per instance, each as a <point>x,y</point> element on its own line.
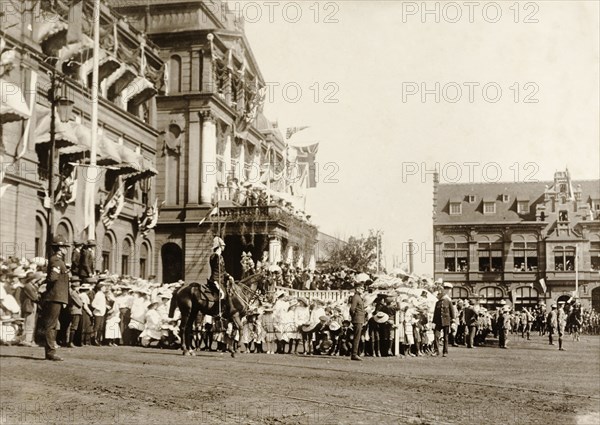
<point>113,310</point>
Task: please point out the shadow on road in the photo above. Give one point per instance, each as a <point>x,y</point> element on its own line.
<point>2,356</point>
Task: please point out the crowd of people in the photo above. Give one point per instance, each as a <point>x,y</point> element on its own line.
<point>103,309</point>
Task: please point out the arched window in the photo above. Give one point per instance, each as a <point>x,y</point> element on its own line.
<point>526,297</point>
<point>490,297</point>
<point>456,254</point>
<point>490,254</point>
<point>460,293</point>
<point>525,253</point>
<point>63,230</point>
<point>144,260</point>
<point>126,257</point>
<point>564,258</point>
<point>107,249</point>
<point>40,237</point>
<point>175,74</point>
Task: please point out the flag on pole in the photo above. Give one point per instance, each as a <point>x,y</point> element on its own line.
<point>307,155</point>
<point>543,285</point>
<point>570,186</point>
<point>293,130</point>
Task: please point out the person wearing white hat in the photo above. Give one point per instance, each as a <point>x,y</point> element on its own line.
<point>443,315</point>
<point>218,275</point>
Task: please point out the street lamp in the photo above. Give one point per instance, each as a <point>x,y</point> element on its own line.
<point>64,107</point>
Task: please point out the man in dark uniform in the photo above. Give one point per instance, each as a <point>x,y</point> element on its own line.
<point>357,313</point>
<point>218,275</point>
<point>471,322</point>
<point>502,324</point>
<point>56,295</point>
<point>87,262</point>
<point>76,258</point>
<point>443,315</point>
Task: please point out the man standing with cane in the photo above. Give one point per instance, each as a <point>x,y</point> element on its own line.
<point>357,313</point>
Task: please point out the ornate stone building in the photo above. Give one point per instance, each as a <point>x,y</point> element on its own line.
<point>215,141</point>
<point>497,240</point>
<point>45,37</point>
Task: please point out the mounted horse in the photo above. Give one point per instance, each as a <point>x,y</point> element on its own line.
<point>204,298</point>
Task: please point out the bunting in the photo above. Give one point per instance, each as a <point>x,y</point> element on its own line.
<point>111,208</point>
<point>66,192</point>
<point>149,218</point>
<point>74,32</point>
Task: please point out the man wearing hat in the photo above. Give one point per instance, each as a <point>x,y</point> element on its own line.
<point>471,322</point>
<point>28,299</point>
<point>87,262</point>
<point>357,313</point>
<point>76,258</point>
<point>443,315</point>
<point>56,295</point>
<point>75,310</point>
<point>218,275</point>
<point>502,323</point>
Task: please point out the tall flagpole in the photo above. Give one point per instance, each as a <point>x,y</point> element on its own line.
<point>90,182</point>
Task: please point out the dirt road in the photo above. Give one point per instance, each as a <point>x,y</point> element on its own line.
<point>529,383</point>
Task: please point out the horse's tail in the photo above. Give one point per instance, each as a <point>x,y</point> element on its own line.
<point>173,304</point>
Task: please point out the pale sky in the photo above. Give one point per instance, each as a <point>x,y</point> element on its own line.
<point>379,52</point>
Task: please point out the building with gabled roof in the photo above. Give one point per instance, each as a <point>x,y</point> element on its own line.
<point>525,242</point>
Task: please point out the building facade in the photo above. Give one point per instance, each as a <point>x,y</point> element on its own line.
<point>527,243</point>
<point>55,38</point>
<point>215,145</point>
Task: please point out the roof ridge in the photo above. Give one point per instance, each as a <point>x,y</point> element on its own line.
<point>520,183</point>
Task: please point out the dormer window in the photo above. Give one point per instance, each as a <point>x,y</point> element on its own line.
<point>472,199</point>
<point>455,208</point>
<point>523,207</point>
<point>489,208</point>
<point>505,198</point>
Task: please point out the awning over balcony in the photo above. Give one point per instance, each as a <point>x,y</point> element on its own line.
<point>64,132</point>
<point>138,91</point>
<point>108,152</point>
<point>13,106</point>
<point>76,51</point>
<point>131,162</point>
<point>148,170</point>
<point>120,79</point>
<point>51,24</point>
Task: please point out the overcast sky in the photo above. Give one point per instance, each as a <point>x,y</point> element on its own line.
<point>518,99</point>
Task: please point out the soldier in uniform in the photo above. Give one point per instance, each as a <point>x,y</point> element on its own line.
<point>87,263</point>
<point>502,323</point>
<point>357,313</point>
<point>218,275</point>
<point>56,295</point>
<point>76,258</point>
<point>443,315</point>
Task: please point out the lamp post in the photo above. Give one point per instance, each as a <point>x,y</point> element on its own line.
<point>64,107</point>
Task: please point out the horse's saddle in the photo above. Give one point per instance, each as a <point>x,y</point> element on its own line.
<point>209,291</point>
